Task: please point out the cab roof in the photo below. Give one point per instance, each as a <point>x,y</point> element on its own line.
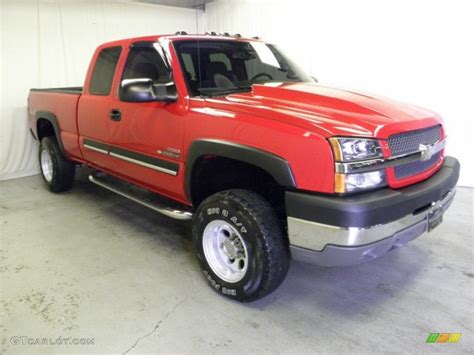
<point>177,37</point>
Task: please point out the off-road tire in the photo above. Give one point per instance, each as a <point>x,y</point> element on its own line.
<point>266,243</point>
<point>63,170</point>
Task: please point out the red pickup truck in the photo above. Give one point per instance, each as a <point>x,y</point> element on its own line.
<point>267,163</point>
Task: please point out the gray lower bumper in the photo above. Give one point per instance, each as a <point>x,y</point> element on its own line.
<point>337,246</point>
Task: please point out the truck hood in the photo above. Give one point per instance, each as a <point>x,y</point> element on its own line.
<point>327,111</point>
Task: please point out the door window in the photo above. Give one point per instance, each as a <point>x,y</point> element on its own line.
<point>146,62</point>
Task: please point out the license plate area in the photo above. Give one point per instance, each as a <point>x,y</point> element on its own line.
<point>435,218</point>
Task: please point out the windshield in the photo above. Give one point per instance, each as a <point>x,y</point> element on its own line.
<point>220,67</point>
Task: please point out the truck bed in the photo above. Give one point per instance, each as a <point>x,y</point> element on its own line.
<point>73,90</point>
<point>58,105</point>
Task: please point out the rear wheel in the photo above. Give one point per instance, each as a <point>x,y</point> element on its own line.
<point>57,171</point>
<point>240,244</point>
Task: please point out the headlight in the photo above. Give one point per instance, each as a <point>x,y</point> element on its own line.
<point>352,149</point>
<point>348,150</point>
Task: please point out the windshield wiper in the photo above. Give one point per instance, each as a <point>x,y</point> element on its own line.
<point>217,92</point>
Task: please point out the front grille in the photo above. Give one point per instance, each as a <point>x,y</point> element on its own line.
<point>409,142</point>
<point>416,167</point>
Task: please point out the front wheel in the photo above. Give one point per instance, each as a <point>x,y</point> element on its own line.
<point>240,244</point>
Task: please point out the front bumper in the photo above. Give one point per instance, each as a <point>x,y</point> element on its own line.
<point>336,231</point>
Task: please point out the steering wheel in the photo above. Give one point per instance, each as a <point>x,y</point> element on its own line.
<point>259,75</point>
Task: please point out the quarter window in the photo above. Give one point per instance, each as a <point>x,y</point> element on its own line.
<point>104,70</point>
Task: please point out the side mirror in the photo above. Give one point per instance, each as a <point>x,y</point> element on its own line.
<point>165,92</point>
<point>143,90</point>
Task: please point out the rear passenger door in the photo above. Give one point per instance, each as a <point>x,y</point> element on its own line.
<point>93,111</point>
<point>146,137</point>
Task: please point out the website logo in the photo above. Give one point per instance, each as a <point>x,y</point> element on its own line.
<point>444,337</point>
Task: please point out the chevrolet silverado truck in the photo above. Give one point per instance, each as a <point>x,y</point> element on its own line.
<point>268,164</point>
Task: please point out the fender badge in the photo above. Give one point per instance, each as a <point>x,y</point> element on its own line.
<point>170,153</point>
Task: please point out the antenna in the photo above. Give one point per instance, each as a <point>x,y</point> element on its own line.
<point>199,64</point>
<point>203,8</point>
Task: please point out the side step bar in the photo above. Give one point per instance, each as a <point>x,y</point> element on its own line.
<point>156,206</point>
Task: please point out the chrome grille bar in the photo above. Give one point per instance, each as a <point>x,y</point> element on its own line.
<point>381,163</point>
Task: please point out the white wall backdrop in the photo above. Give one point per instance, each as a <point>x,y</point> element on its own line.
<point>417,51</point>
<point>48,43</point>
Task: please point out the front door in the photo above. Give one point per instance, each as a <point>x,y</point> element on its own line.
<point>146,137</point>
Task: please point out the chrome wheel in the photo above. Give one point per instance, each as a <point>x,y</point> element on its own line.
<point>46,165</point>
<point>225,251</point>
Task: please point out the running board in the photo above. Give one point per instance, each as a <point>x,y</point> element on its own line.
<point>155,206</point>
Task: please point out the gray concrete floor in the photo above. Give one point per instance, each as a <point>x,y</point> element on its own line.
<point>90,264</point>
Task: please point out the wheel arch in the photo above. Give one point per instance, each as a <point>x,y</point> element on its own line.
<point>278,168</point>
<point>42,116</point>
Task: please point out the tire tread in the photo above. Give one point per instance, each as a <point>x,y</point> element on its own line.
<point>274,241</point>
<point>63,176</point>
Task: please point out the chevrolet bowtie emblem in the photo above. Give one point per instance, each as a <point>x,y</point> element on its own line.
<point>426,151</point>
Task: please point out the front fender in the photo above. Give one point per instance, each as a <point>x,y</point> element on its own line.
<point>274,165</point>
